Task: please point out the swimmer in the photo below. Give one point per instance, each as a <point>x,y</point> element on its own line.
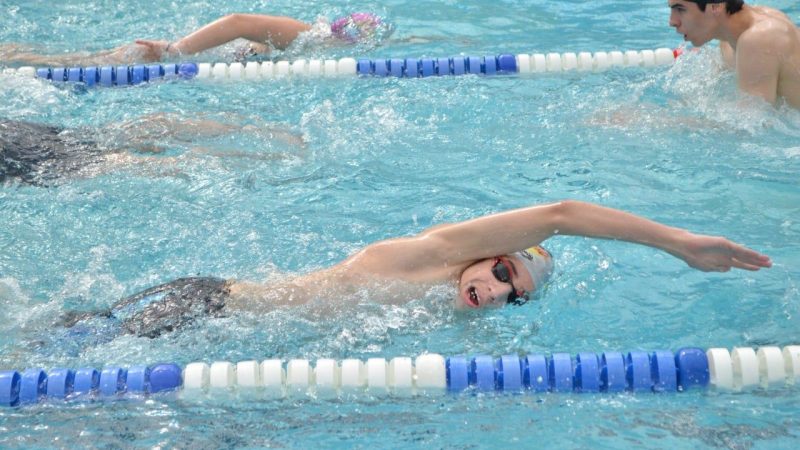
<point>488,262</point>
<point>265,33</point>
<point>41,155</point>
<point>761,44</point>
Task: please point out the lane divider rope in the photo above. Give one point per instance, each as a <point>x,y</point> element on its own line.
<point>490,65</point>
<point>427,374</point>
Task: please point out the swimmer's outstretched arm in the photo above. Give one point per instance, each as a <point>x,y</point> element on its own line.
<point>278,31</point>
<point>12,53</point>
<point>507,232</point>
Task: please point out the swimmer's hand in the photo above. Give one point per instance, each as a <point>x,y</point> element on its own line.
<point>155,50</point>
<point>717,254</point>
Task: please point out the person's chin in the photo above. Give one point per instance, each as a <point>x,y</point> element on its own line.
<point>461,307</point>
<point>698,42</point>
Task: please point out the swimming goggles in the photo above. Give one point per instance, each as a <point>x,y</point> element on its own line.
<point>502,273</point>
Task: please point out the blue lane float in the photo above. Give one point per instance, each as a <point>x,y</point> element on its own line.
<point>482,373</point>
<point>60,383</point>
<point>10,382</point>
<point>457,373</point>
<point>535,374</point>
<point>86,381</point>
<point>664,371</point>
<point>612,373</point>
<point>508,371</point>
<point>33,386</point>
<point>587,373</point>
<point>693,370</point>
<point>108,76</point>
<point>636,372</point>
<point>113,381</point>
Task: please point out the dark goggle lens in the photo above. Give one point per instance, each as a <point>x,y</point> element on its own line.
<point>501,272</point>
<point>503,275</point>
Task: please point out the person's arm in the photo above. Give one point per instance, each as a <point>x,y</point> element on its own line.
<point>511,231</point>
<point>278,31</point>
<point>125,54</point>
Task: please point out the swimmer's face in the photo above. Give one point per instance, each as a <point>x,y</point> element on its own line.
<point>695,25</point>
<point>480,288</point>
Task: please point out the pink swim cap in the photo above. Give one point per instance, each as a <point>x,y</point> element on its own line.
<point>355,27</point>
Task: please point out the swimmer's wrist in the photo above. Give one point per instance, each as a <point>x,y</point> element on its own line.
<point>172,49</point>
<point>678,243</point>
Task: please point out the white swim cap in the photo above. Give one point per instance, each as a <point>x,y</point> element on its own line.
<point>539,264</point>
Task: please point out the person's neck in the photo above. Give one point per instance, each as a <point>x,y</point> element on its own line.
<point>733,25</point>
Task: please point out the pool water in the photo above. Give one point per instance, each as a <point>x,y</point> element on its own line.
<point>379,158</point>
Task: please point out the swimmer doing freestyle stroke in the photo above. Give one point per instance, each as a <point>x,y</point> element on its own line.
<point>264,33</point>
<point>490,261</point>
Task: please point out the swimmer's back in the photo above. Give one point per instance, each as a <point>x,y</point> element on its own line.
<point>789,78</point>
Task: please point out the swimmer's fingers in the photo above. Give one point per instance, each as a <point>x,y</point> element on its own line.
<point>737,256</point>
<point>744,266</point>
<point>747,259</point>
<point>159,44</point>
<point>153,50</point>
<point>717,254</point>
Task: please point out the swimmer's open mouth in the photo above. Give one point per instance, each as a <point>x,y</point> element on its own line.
<point>472,297</point>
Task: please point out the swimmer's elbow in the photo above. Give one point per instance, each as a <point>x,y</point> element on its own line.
<point>236,21</point>
<point>560,213</point>
<point>234,18</point>
<point>439,245</point>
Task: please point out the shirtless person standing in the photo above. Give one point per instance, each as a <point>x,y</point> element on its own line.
<point>762,44</point>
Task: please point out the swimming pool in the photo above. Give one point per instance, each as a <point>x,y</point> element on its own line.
<point>386,157</point>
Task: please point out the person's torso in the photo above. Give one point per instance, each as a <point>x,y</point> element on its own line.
<point>339,284</point>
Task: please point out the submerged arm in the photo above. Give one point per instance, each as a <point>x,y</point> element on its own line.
<point>146,130</point>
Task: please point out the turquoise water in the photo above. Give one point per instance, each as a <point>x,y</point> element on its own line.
<point>389,157</point>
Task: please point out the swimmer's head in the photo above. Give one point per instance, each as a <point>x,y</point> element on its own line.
<point>697,23</point>
<point>508,279</point>
<point>357,27</point>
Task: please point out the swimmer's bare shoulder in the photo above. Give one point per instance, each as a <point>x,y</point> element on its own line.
<point>414,259</point>
<point>767,54</point>
<point>772,24</point>
<point>773,13</point>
